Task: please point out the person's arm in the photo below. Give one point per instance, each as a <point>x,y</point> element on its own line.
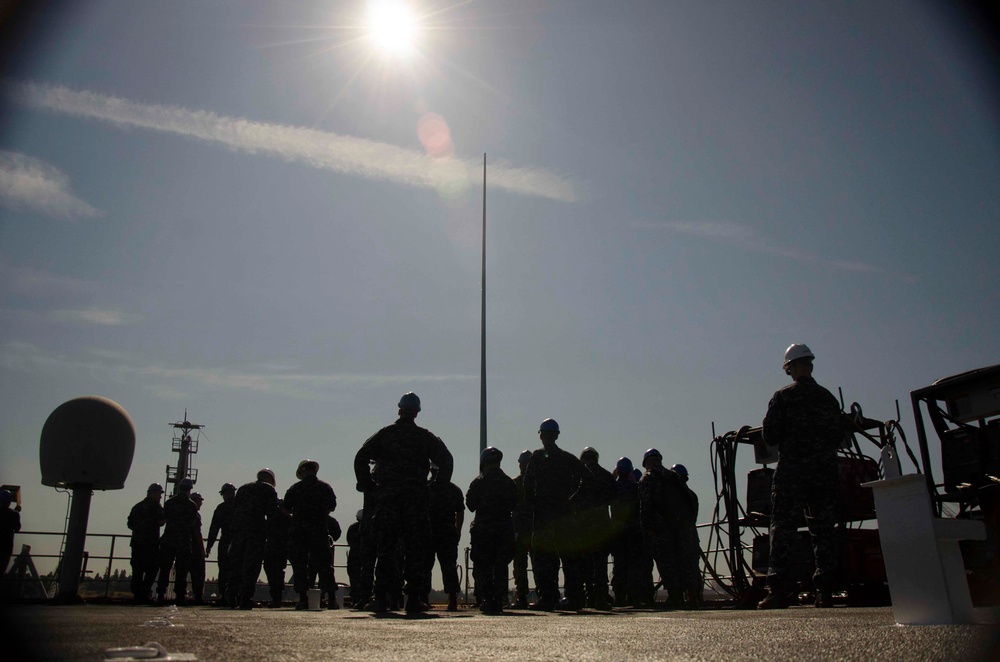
<point>362,474</point>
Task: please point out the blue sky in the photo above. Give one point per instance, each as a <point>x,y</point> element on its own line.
<point>246,210</point>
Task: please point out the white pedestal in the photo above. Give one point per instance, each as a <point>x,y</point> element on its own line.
<point>923,561</point>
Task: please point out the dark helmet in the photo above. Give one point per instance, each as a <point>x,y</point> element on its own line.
<point>490,455</point>
<point>306,467</point>
<point>589,454</point>
<point>187,484</point>
<point>524,457</point>
<point>409,402</point>
<point>680,469</point>
<point>266,475</point>
<point>6,497</point>
<point>227,487</point>
<point>624,466</point>
<point>549,425</point>
<point>652,452</point>
<point>636,475</point>
<point>196,496</point>
<point>154,487</point>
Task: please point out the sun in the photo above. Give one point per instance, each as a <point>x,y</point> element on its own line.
<point>392,27</point>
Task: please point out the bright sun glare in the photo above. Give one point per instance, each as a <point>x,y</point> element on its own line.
<point>392,27</point>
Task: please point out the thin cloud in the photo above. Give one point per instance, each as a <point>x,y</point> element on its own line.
<point>741,235</point>
<point>30,184</point>
<point>319,149</point>
<point>118,367</point>
<point>95,316</point>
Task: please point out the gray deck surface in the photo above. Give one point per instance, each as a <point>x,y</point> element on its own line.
<point>802,633</point>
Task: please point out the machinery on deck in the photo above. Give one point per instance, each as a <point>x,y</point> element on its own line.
<point>737,548</point>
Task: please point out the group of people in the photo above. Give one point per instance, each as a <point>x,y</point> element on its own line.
<point>253,528</point>
<point>559,511</point>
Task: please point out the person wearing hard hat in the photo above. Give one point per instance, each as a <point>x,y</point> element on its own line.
<point>447,507</point>
<point>197,555</point>
<point>804,421</point>
<point>691,557</point>
<point>626,543</point>
<point>551,483</point>
<point>254,503</point>
<point>222,525</point>
<point>144,521</point>
<point>181,515</point>
<point>662,514</point>
<point>400,500</point>
<point>522,537</point>
<point>492,497</point>
<point>310,501</point>
<point>595,496</point>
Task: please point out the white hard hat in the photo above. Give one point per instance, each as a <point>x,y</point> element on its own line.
<point>797,351</point>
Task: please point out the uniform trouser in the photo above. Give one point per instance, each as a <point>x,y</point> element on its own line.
<point>554,539</point>
<point>145,563</point>
<point>491,554</point>
<point>667,549</point>
<point>810,490</point>
<point>197,575</point>
<point>362,559</point>
<point>246,554</point>
<point>224,567</point>
<point>174,552</point>
<point>402,517</point>
<point>522,548</point>
<point>445,547</point>
<point>627,580</point>
<point>310,554</point>
<point>274,569</point>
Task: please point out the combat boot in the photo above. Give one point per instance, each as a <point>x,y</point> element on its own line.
<point>775,599</point>
<point>824,600</point>
<point>331,601</point>
<point>543,604</point>
<point>521,602</point>
<point>414,605</point>
<point>452,602</point>
<point>161,600</point>
<point>303,603</point>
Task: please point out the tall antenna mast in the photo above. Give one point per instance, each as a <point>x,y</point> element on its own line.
<point>482,374</point>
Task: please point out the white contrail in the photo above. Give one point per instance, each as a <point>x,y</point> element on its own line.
<point>744,236</point>
<point>30,184</point>
<point>319,149</point>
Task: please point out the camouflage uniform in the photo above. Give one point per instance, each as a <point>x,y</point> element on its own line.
<point>276,553</point>
<point>446,502</point>
<point>664,512</point>
<point>522,541</point>
<point>803,419</point>
<point>627,581</point>
<point>222,524</point>
<point>254,503</point>
<point>551,481</point>
<point>596,493</point>
<point>400,500</point>
<point>492,496</point>
<point>310,502</point>
<point>144,520</point>
<point>181,516</point>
